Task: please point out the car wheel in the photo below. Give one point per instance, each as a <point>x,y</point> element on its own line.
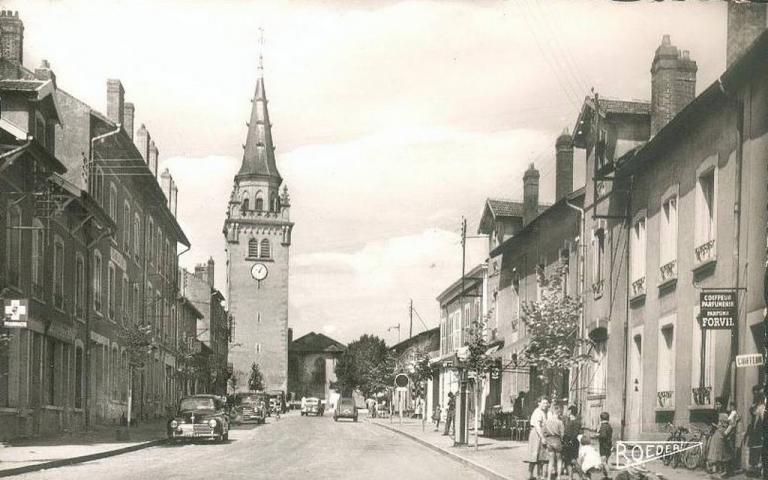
<point>226,436</point>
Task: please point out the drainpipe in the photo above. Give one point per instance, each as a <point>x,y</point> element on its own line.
<point>628,225</point>
<point>580,276</point>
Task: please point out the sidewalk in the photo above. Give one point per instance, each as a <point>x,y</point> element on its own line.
<point>503,459</point>
<point>36,453</point>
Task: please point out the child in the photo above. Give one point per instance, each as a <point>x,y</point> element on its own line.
<point>588,461</point>
<point>436,417</point>
<point>553,434</point>
<point>605,437</point>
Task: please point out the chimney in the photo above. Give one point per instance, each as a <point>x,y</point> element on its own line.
<point>200,272</point>
<point>165,184</point>
<point>746,21</point>
<point>44,72</point>
<point>11,37</point>
<point>673,83</point>
<point>153,153</point>
<point>128,113</point>
<point>564,167</point>
<point>115,100</point>
<point>530,194</point>
<point>209,271</point>
<point>142,142</point>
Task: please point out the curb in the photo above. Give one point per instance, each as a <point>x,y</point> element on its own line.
<point>456,457</point>
<point>83,458</point>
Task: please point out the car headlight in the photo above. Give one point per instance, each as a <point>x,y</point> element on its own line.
<point>212,423</point>
<point>174,424</point>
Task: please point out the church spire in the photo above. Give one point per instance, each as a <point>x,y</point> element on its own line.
<point>259,154</point>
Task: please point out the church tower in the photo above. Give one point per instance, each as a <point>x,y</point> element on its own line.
<point>258,238</point>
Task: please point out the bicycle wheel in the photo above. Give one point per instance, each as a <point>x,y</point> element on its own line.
<point>667,459</point>
<point>692,458</point>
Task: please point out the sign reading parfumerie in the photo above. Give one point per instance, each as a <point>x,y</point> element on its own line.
<point>718,310</point>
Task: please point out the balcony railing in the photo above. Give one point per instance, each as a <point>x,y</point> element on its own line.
<point>668,272</point>
<point>705,253</point>
<point>638,287</point>
<point>597,288</point>
<point>666,398</point>
<point>702,396</point>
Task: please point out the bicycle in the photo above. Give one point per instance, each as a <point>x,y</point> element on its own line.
<point>677,434</point>
<point>697,457</point>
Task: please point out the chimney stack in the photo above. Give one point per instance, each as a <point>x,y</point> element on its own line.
<point>129,111</point>
<point>564,167</point>
<point>746,21</point>
<point>44,72</point>
<point>165,185</point>
<point>209,271</point>
<point>530,194</point>
<point>11,37</point>
<point>153,154</point>
<point>673,83</point>
<point>142,142</point>
<point>115,100</point>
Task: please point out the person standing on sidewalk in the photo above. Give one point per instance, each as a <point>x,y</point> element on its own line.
<point>436,417</point>
<point>450,414</point>
<point>536,442</point>
<point>571,434</point>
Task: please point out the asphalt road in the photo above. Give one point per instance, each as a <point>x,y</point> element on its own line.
<point>307,448</point>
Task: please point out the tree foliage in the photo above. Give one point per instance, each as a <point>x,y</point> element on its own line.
<point>256,378</point>
<point>138,342</point>
<point>367,365</point>
<point>552,324</point>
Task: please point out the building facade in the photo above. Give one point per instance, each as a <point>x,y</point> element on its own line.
<point>258,239</point>
<point>312,365</point>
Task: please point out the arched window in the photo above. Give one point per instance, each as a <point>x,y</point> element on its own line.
<point>245,205</point>
<point>265,249</point>
<point>253,248</point>
<point>259,204</point>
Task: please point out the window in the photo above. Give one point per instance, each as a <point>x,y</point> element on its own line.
<point>246,203</point>
<point>168,256</point>
<point>157,317</point>
<point>125,375</point>
<point>79,286</point>
<point>668,239</point>
<point>136,306</point>
<point>125,304</point>
<point>253,248</point>
<point>637,259</point>
<point>38,258</point>
<point>598,253</point>
<point>97,268</point>
<point>58,274</point>
<point>136,235</point>
<point>113,203</point>
<point>78,377</point>
<point>159,249</point>
<point>116,373</point>
<point>111,300</point>
<point>151,235</point>
<point>665,383</point>
<point>702,363</point>
<point>259,203</point>
<point>126,227</point>
<point>456,321</point>
<point>264,251</point>
<point>97,185</point>
<point>597,385</point>
<point>50,372</point>
<point>706,216</point>
<point>13,242</point>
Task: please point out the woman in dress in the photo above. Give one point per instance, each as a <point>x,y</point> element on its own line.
<point>536,442</point>
<point>721,445</point>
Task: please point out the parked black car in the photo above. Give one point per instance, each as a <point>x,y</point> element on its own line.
<point>200,416</point>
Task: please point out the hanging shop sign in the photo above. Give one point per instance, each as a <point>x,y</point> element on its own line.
<point>750,360</point>
<point>16,313</point>
<point>718,310</point>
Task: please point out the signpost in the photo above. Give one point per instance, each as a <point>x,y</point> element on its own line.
<point>401,386</point>
<point>16,313</point>
<point>718,309</point>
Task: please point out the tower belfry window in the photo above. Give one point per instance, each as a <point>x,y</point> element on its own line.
<point>259,204</point>
<point>253,248</point>
<point>265,249</point>
<point>246,204</point>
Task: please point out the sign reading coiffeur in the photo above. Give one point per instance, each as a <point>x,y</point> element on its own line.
<point>718,310</point>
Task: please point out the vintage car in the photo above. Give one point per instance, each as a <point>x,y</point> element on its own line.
<point>200,416</point>
<point>251,407</point>
<point>312,406</point>
<point>345,409</point>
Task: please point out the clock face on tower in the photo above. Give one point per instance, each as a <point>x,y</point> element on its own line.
<point>259,271</point>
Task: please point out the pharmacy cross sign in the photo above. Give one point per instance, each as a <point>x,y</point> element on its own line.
<point>16,313</point>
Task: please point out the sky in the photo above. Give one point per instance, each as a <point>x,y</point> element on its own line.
<point>392,119</point>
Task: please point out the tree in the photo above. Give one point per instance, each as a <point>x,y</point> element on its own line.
<point>256,379</point>
<point>138,342</point>
<point>367,365</point>
<point>552,323</point>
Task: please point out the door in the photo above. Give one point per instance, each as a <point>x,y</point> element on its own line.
<point>635,416</point>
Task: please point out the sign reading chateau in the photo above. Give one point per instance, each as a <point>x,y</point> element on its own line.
<point>718,310</point>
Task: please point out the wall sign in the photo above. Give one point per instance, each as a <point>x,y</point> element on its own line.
<point>718,310</point>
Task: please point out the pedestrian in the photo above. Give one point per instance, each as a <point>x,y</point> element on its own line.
<point>536,440</point>
<point>588,462</point>
<point>450,414</point>
<point>754,434</point>
<point>436,417</point>
<point>605,439</point>
<point>571,432</point>
<point>553,435</point>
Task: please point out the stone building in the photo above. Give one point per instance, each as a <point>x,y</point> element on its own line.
<point>258,239</point>
<point>312,365</point>
<point>410,351</point>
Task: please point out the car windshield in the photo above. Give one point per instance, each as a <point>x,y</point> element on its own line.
<point>197,403</point>
<point>312,401</point>
<point>249,400</point>
<point>347,403</point>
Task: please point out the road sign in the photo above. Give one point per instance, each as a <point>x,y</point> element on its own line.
<point>16,313</point>
<point>402,381</point>
<point>750,360</point>
<point>718,310</point>
<point>448,364</point>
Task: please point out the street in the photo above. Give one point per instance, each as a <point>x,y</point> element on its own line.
<point>292,448</point>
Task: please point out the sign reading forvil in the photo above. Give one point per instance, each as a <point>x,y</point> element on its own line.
<point>16,313</point>
<point>718,310</point>
<point>749,360</point>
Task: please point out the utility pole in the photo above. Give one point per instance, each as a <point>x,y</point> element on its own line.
<point>410,317</point>
<point>461,425</point>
